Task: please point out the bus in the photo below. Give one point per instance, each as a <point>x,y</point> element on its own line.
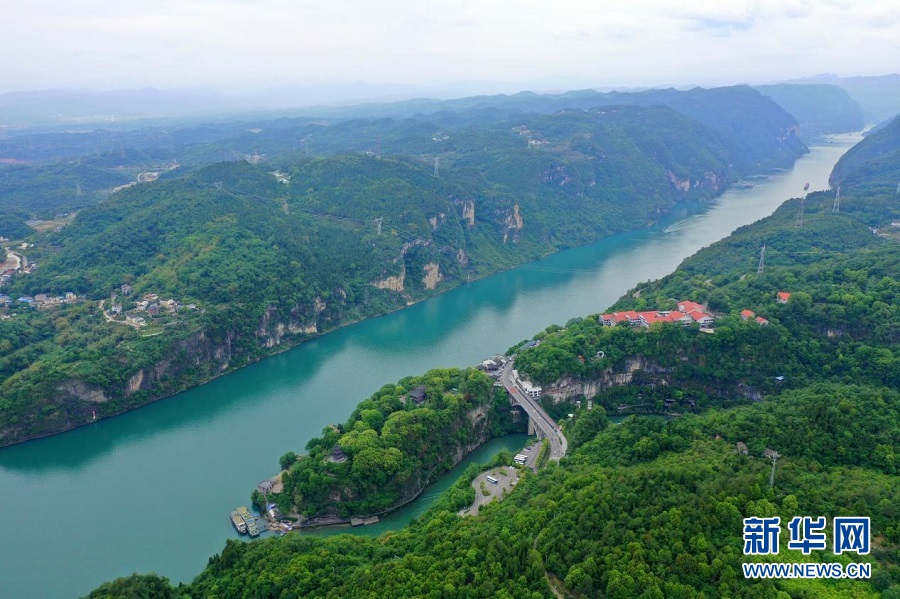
<point>520,458</point>
<point>492,480</point>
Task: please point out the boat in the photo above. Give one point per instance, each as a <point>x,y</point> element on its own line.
<point>806,187</point>
<point>249,520</point>
<point>238,522</point>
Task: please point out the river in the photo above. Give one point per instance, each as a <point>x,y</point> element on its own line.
<point>151,490</point>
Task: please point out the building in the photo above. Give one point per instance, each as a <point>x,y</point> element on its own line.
<point>761,320</point>
<point>686,313</point>
<point>747,314</point>
<point>418,395</point>
<point>493,364</point>
<point>526,386</point>
<point>782,297</point>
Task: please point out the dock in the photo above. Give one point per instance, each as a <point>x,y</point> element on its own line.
<point>249,520</point>
<point>239,522</point>
<point>363,521</point>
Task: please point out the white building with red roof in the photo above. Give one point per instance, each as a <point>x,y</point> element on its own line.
<point>687,313</point>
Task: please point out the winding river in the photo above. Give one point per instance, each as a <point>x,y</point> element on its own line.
<point>151,490</point>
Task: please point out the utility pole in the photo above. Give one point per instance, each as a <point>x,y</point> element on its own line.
<point>762,260</point>
<point>836,207</point>
<point>772,455</point>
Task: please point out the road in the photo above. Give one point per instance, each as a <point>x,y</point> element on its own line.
<point>551,431</point>
<point>507,478</point>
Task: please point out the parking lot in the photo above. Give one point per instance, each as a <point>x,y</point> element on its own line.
<point>486,491</point>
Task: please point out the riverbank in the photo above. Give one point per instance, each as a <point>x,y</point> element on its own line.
<point>199,454</point>
<point>79,400</point>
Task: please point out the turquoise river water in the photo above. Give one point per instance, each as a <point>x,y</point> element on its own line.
<point>151,490</point>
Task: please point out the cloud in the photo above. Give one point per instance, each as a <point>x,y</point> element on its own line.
<point>237,44</point>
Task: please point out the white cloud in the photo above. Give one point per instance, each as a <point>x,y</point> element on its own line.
<point>236,43</point>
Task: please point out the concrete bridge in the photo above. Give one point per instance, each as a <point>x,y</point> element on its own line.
<point>539,422</point>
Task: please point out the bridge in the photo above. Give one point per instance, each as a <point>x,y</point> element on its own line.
<point>539,422</point>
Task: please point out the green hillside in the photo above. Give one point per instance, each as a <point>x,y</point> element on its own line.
<point>654,506</point>
<point>819,109</point>
<point>230,262</point>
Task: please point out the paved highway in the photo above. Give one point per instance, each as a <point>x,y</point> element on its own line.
<point>551,431</point>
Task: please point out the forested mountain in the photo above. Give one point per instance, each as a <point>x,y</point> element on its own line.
<point>879,96</point>
<point>227,263</point>
<point>819,108</point>
<point>45,172</point>
<point>654,507</point>
<point>869,179</point>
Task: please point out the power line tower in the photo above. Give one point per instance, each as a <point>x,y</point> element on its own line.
<point>800,212</point>
<point>378,223</point>
<point>378,147</point>
<point>897,193</point>
<point>762,260</point>
<point>437,167</point>
<point>836,207</point>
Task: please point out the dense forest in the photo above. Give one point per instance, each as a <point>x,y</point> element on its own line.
<point>393,445</point>
<point>254,256</point>
<point>647,508</point>
<point>653,506</point>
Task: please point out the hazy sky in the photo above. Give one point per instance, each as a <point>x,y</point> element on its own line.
<point>243,45</point>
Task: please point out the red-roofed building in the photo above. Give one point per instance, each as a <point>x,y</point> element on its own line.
<point>761,320</point>
<point>747,314</point>
<point>782,297</point>
<point>687,307</point>
<point>650,317</point>
<point>613,319</point>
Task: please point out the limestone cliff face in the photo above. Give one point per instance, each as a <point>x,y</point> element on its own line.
<point>197,352</point>
<point>514,224</point>
<point>682,185</point>
<point>432,276</point>
<point>634,370</point>
<point>75,389</point>
<point>710,181</point>
<point>394,283</point>
<point>468,212</point>
<point>625,374</point>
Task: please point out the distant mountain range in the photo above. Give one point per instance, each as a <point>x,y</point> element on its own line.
<point>879,97</point>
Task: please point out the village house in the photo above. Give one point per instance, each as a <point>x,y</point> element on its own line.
<point>135,320</point>
<point>782,297</point>
<point>747,314</point>
<point>418,395</point>
<point>761,320</point>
